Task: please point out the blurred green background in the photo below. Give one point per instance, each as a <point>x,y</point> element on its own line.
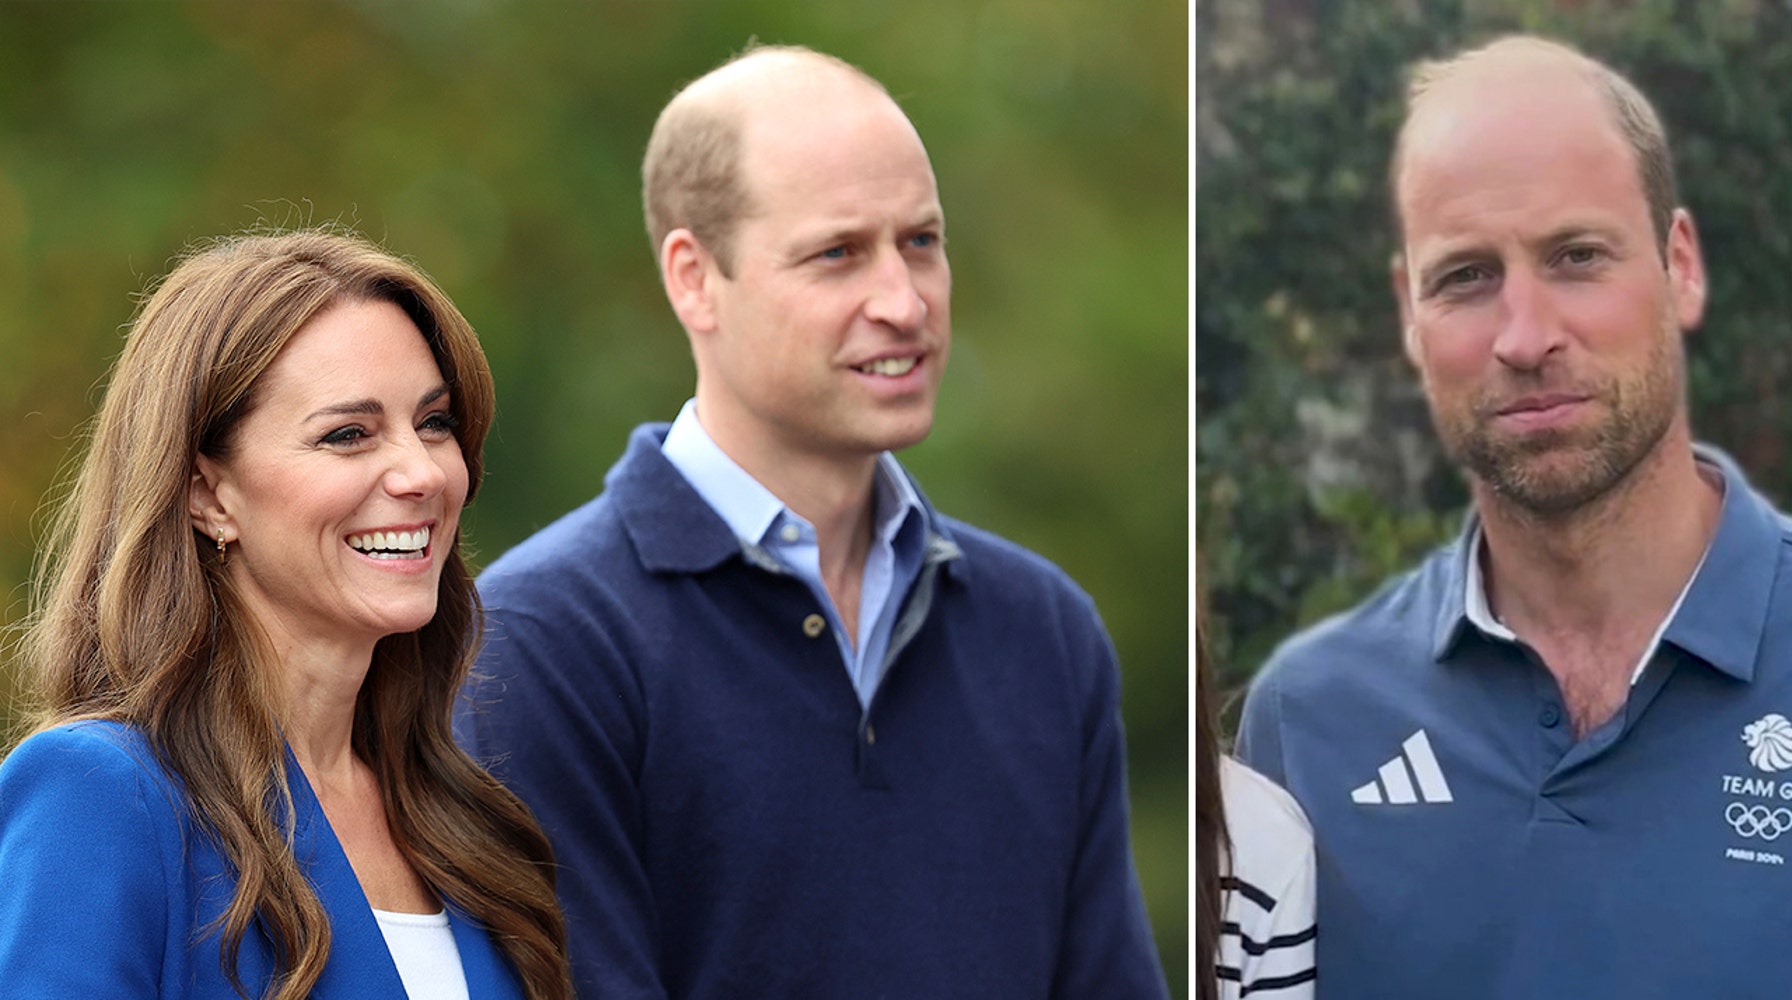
<point>498,145</point>
<point>1318,471</point>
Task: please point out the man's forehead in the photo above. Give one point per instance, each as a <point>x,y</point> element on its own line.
<point>829,140</point>
<point>1490,135</point>
<point>1516,66</point>
<point>768,83</point>
<point>1509,94</point>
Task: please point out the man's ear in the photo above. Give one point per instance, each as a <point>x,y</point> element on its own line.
<point>1686,270</point>
<point>1402,282</point>
<point>204,504</point>
<point>690,274</point>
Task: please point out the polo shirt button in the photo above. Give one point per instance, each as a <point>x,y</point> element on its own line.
<point>790,533</point>
<point>814,625</point>
<point>1549,716</point>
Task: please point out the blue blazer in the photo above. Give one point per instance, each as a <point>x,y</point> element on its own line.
<point>108,887</point>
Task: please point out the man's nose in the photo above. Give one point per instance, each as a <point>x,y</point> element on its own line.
<point>1531,327</point>
<point>894,298</point>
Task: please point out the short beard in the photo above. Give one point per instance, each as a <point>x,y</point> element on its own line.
<point>1582,473</point>
<point>1556,473</point>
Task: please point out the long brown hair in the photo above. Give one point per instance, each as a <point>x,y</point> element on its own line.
<point>1212,848</point>
<point>135,620</point>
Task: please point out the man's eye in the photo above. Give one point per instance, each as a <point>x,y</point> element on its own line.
<point>834,253</point>
<point>1580,255</point>
<point>1462,276</point>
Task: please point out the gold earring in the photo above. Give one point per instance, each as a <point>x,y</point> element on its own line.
<point>223,555</point>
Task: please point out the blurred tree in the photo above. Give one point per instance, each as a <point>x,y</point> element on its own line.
<point>498,143</point>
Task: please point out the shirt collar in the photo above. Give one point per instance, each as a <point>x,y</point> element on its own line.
<point>740,500</point>
<point>895,499</point>
<point>1725,614</point>
<point>1475,606</point>
<point>752,511</point>
<point>1480,613</point>
<point>1720,616</point>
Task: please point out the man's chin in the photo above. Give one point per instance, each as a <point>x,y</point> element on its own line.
<point>895,435</point>
<point>1554,480</point>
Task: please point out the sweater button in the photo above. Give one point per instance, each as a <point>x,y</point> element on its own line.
<point>871,735</point>
<point>814,625</point>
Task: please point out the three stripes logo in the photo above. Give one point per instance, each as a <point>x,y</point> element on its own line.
<point>1412,777</point>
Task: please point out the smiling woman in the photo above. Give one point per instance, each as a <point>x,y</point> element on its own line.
<point>332,483</point>
<point>251,623</point>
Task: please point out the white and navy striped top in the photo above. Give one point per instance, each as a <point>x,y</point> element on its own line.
<point>1266,941</point>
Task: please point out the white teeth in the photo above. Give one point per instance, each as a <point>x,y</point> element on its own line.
<point>391,544</point>
<point>889,366</point>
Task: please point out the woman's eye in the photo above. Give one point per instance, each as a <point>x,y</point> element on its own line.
<point>440,422</point>
<point>344,435</point>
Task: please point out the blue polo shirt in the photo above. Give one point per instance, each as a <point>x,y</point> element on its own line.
<point>1469,846</point>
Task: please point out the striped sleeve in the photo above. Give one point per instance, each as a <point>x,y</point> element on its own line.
<point>1266,942</point>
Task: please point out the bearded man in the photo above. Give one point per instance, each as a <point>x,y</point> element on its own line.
<point>1542,763</point>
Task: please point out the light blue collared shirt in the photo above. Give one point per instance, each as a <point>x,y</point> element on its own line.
<point>759,519</point>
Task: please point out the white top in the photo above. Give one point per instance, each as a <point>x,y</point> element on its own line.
<point>422,946</point>
<point>1266,940</point>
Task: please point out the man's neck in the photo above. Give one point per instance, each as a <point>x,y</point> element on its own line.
<point>834,493</point>
<point>1626,557</point>
<point>839,506</point>
<point>1590,591</point>
<point>837,502</point>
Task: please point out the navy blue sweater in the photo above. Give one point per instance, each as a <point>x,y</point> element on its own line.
<point>730,823</point>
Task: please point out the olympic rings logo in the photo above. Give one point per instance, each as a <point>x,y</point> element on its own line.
<point>1759,821</point>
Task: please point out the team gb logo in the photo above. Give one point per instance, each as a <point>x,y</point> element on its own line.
<point>1769,742</point>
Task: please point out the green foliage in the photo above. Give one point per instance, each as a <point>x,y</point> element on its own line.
<point>1318,474</point>
<point>498,143</point>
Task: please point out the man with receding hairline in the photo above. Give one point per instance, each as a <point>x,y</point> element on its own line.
<point>792,732</point>
<point>1540,763</point>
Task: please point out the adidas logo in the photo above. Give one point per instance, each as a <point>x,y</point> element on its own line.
<point>1394,783</point>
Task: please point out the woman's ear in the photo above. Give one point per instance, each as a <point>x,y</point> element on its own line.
<point>204,506</point>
